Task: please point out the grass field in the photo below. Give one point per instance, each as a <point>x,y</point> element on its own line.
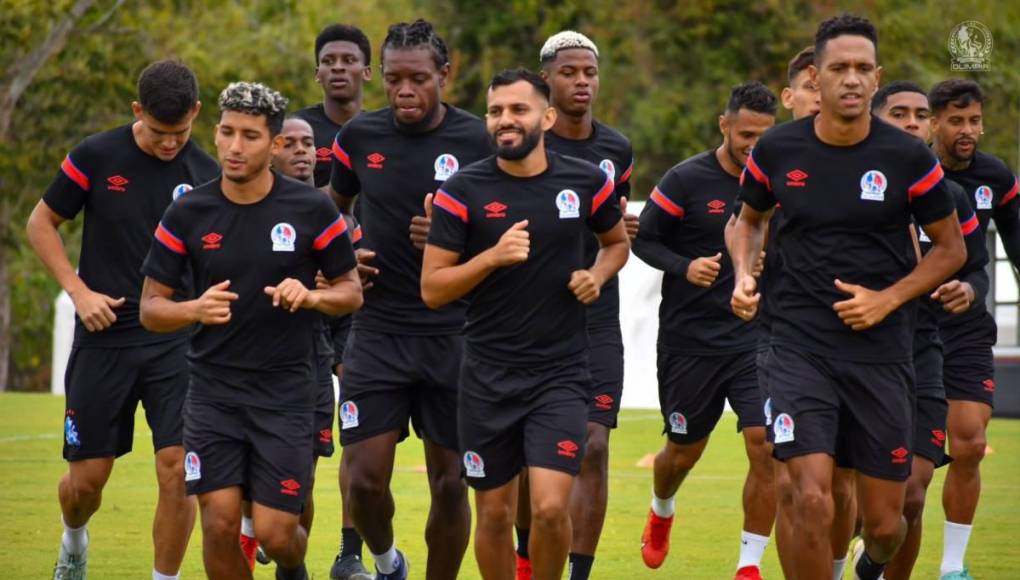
<point>704,541</point>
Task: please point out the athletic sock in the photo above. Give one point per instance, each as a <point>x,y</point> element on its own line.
<point>247,527</point>
<point>158,576</point>
<point>837,569</point>
<point>954,546</point>
<point>298,573</point>
<point>752,546</point>
<point>522,541</point>
<point>868,569</point>
<point>663,508</point>
<point>387,562</point>
<point>580,566</point>
<point>350,542</point>
<point>75,540</point>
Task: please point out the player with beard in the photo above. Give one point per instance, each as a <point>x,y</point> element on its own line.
<point>123,179</point>
<point>905,105</point>
<point>969,370</point>
<point>511,232</point>
<point>402,357</point>
<point>570,66</point>
<point>253,242</point>
<point>839,368</point>
<point>706,356</point>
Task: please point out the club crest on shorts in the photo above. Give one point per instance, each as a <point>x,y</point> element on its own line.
<point>180,190</point>
<point>782,428</point>
<point>608,168</point>
<point>768,411</point>
<point>569,204</point>
<point>473,464</point>
<point>348,415</point>
<point>983,197</point>
<point>71,431</point>
<point>192,467</point>
<point>283,236</point>
<point>446,165</point>
<point>873,185</point>
<point>677,423</point>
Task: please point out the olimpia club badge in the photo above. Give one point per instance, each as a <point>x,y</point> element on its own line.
<point>970,43</point>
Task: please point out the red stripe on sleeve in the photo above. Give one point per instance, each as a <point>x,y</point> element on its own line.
<point>172,242</point>
<point>667,205</point>
<point>1011,193</point>
<point>74,174</point>
<point>602,195</point>
<point>341,155</point>
<point>334,229</point>
<point>970,225</point>
<point>757,173</point>
<point>447,202</point>
<point>926,183</point>
<point>626,174</point>
<point>356,235</point>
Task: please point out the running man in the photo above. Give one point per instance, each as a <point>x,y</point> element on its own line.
<point>511,231</point>
<point>124,179</point>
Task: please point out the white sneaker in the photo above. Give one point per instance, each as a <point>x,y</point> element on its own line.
<point>70,566</point>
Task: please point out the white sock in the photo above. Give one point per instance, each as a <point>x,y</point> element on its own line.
<point>247,527</point>
<point>157,576</point>
<point>954,546</point>
<point>663,508</point>
<point>75,540</point>
<point>752,546</point>
<point>387,562</point>
<point>837,569</point>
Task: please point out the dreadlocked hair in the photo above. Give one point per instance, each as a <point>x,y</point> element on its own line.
<point>417,34</point>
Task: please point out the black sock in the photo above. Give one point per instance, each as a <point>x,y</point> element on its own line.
<point>580,566</point>
<point>298,573</point>
<point>867,569</point>
<point>522,542</point>
<point>350,542</point>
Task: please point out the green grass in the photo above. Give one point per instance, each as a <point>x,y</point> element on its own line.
<point>704,541</point>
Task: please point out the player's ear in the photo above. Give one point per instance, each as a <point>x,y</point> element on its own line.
<point>787,98</point>
<point>136,108</point>
<point>548,118</point>
<point>812,72</point>
<point>366,73</point>
<point>724,123</point>
<point>444,71</point>
<point>196,109</point>
<point>878,77</point>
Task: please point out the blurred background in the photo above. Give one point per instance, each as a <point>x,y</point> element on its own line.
<point>68,69</point>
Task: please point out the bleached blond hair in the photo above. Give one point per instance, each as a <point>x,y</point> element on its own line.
<point>564,40</point>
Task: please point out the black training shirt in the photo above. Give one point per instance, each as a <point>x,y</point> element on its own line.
<point>123,191</point>
<point>684,219</point>
<point>994,193</point>
<point>612,152</point>
<point>525,314</point>
<point>291,233</point>
<point>324,131</point>
<point>846,213</point>
<point>393,170</point>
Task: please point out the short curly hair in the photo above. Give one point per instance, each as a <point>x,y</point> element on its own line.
<point>844,25</point>
<point>255,99</point>
<point>562,41</point>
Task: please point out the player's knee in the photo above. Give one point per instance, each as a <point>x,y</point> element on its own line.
<point>494,518</point>
<point>888,531</point>
<point>275,542</point>
<point>842,494</point>
<point>365,484</point>
<point>813,505</point>
<point>596,453</point>
<point>85,487</point>
<point>549,512</point>
<point>219,527</point>
<point>682,457</point>
<point>448,489</point>
<point>969,450</point>
<point>913,503</point>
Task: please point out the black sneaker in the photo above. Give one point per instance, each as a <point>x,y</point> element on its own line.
<point>349,567</point>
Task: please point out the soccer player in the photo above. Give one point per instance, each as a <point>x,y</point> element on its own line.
<point>905,105</point>
<point>123,178</point>
<point>253,241</point>
<point>969,367</point>
<point>511,232</point>
<point>570,66</point>
<point>402,358</point>
<point>840,361</point>
<point>705,355</point>
<point>343,63</point>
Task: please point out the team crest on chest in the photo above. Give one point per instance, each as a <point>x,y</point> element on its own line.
<point>569,204</point>
<point>180,190</point>
<point>283,236</point>
<point>873,185</point>
<point>608,168</point>
<point>446,165</point>
<point>983,197</point>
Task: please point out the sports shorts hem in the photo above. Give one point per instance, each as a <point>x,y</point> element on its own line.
<point>166,444</point>
<point>967,397</point>
<point>199,489</point>
<point>883,476</point>
<point>551,467</point>
<point>277,506</point>
<point>802,452</point>
<point>97,455</point>
<point>363,436</point>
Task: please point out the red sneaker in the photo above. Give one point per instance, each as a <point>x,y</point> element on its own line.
<point>748,573</point>
<point>523,567</point>
<point>249,546</point>
<point>655,540</point>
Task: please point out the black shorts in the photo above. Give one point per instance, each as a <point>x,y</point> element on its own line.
<point>820,404</point>
<point>693,390</point>
<point>761,361</point>
<point>389,379</point>
<point>325,406</point>
<point>516,417</point>
<point>931,406</point>
<point>605,363</point>
<point>104,386</point>
<point>267,452</point>
<point>969,373</point>
<point>338,328</point>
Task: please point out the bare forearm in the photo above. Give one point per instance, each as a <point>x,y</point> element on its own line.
<point>160,314</point>
<point>937,265</point>
<point>48,245</point>
<point>444,285</point>
<point>610,260</point>
<point>341,298</point>
<point>747,241</point>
